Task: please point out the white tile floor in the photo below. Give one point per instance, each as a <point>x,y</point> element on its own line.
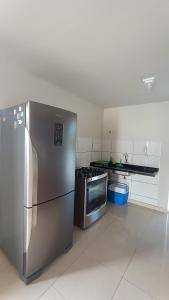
<point>124,256</point>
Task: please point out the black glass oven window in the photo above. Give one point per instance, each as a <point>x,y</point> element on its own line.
<point>96,194</point>
<point>58,134</point>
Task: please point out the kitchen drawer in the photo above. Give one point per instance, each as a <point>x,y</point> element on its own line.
<point>145,179</point>
<point>145,189</point>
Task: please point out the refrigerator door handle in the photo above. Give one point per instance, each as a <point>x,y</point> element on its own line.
<point>28,228</point>
<point>31,171</point>
<point>35,175</point>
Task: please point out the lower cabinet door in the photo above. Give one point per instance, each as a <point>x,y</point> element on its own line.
<point>145,192</point>
<point>48,232</point>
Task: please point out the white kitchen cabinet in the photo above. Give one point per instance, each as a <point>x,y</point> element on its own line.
<point>144,199</point>
<point>143,189</point>
<point>145,179</point>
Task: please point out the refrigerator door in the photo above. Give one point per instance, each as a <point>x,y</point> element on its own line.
<point>12,145</point>
<point>48,233</point>
<point>50,151</point>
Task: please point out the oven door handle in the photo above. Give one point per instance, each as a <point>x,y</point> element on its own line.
<point>102,176</point>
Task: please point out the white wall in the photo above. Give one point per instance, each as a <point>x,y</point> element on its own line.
<point>17,86</point>
<point>131,128</point>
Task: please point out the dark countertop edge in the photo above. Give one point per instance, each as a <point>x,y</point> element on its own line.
<point>150,174</point>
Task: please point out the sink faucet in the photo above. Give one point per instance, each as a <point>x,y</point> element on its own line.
<point>125,157</point>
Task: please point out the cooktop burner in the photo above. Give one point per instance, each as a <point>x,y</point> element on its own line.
<point>89,172</point>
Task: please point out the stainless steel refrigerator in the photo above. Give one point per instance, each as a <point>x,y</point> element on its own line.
<point>37,178</point>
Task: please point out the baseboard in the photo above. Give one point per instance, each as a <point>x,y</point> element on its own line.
<point>153,207</point>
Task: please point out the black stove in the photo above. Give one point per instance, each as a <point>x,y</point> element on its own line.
<point>89,172</point>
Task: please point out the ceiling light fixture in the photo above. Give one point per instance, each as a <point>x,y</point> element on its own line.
<point>149,82</point>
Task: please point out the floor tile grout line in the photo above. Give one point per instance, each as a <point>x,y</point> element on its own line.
<point>83,251</point>
<point>117,287</point>
<point>44,292</point>
<point>134,252</point>
<point>133,284</point>
<point>95,238</point>
<point>52,284</point>
<point>137,248</point>
<point>140,289</point>
<point>58,291</point>
<point>130,261</point>
<point>48,290</point>
<point>63,296</point>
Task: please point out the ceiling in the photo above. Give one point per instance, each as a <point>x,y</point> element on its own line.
<point>98,49</point>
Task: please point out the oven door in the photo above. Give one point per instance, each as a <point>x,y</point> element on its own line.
<point>96,192</point>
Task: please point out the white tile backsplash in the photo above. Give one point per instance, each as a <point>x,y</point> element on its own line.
<point>106,145</point>
<point>116,157</point>
<point>153,161</point>
<point>97,144</point>
<point>140,147</point>
<point>122,146</point>
<point>147,147</point>
<point>146,160</point>
<point>105,155</point>
<point>95,155</point>
<point>84,144</point>
<point>83,159</point>
<point>154,148</point>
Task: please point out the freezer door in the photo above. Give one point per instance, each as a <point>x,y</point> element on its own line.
<point>48,232</point>
<point>51,135</point>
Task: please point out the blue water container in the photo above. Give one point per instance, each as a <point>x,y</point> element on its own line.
<point>118,193</point>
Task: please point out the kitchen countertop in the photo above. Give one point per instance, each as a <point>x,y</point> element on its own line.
<point>127,169</point>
